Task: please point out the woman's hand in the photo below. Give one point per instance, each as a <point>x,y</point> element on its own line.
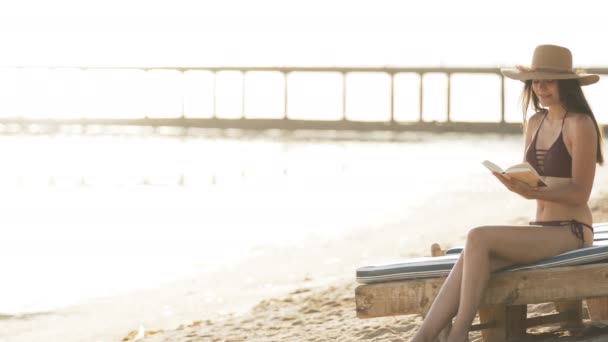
<point>516,186</point>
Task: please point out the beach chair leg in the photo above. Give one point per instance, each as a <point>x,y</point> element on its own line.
<point>598,308</point>
<point>507,322</point>
<point>574,310</point>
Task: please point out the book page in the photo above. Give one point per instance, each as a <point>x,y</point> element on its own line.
<point>521,167</point>
<point>523,172</point>
<point>491,166</point>
<point>531,179</point>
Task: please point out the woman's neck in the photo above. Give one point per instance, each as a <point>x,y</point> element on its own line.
<point>557,112</point>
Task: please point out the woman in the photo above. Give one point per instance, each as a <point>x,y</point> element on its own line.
<point>563,143</point>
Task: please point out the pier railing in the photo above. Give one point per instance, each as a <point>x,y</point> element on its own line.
<point>285,122</point>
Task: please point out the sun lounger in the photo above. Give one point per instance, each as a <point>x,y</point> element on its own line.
<point>431,267</point>
<point>409,288</point>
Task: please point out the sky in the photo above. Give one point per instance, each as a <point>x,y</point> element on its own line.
<point>296,32</point>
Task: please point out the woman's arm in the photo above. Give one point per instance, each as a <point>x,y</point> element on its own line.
<point>584,157</point>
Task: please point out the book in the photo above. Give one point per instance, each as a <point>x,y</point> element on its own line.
<point>523,172</point>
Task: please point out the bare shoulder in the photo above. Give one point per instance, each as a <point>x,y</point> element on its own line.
<point>534,121</point>
<point>580,123</point>
<point>579,127</point>
<point>536,118</point>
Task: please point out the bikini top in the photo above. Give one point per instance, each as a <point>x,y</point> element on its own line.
<point>554,161</point>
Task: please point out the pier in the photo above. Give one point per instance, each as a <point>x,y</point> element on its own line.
<point>286,121</point>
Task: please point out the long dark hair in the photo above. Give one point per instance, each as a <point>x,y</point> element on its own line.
<point>573,98</point>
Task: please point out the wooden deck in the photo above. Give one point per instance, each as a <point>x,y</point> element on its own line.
<point>503,308</point>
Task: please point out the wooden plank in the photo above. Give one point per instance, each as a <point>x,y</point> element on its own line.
<point>546,319</point>
<point>396,298</point>
<point>436,250</point>
<point>515,323</point>
<point>505,288</point>
<point>496,315</point>
<point>509,322</point>
<point>573,313</point>
<point>598,308</point>
<point>482,326</point>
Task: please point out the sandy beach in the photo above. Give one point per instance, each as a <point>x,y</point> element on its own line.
<point>327,313</point>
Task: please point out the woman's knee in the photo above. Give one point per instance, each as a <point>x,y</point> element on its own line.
<point>478,236</point>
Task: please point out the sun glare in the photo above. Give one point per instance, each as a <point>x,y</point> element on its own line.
<point>255,33</point>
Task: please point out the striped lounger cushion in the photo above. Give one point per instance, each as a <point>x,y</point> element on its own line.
<point>431,267</point>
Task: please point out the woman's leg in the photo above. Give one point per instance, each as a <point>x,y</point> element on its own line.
<point>445,305</point>
<point>515,244</point>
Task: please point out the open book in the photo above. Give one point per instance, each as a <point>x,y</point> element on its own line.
<point>523,172</point>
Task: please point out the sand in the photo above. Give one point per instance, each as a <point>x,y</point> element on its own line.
<point>327,313</point>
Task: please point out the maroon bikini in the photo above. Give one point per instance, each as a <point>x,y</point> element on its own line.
<point>554,162</point>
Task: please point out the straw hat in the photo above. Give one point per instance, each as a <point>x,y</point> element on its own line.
<point>550,62</point>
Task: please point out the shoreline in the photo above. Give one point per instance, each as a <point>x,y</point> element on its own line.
<point>315,312</point>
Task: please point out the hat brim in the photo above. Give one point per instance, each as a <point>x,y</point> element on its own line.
<point>517,74</point>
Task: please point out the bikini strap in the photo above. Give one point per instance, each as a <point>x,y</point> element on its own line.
<point>538,129</point>
<point>564,120</point>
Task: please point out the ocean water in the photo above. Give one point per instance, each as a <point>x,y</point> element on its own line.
<point>105,233</point>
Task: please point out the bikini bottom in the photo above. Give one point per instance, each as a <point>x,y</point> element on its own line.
<point>575,226</point>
